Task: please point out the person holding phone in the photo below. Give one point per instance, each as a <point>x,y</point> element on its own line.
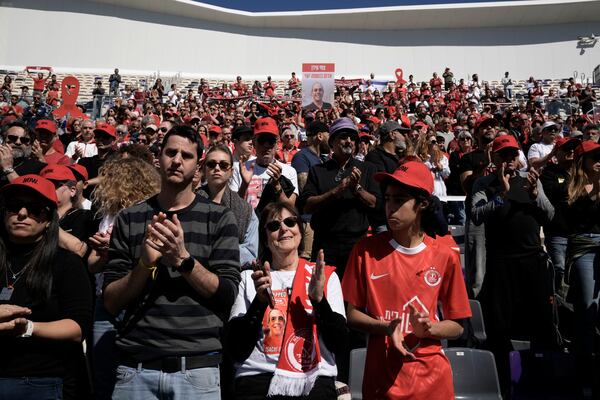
<point>286,306</point>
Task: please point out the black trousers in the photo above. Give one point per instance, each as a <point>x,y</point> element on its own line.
<point>517,301</point>
<point>256,387</point>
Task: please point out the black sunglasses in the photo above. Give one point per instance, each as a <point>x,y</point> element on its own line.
<point>223,165</point>
<point>266,140</point>
<point>34,209</point>
<point>275,225</point>
<point>163,129</point>
<point>14,139</point>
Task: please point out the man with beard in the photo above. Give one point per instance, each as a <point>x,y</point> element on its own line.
<point>340,194</point>
<point>517,293</point>
<point>315,153</point>
<point>386,158</point>
<point>105,136</point>
<point>15,153</point>
<point>264,179</point>
<point>472,166</point>
<point>317,92</point>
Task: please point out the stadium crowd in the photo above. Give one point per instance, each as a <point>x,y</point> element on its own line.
<point>227,243</point>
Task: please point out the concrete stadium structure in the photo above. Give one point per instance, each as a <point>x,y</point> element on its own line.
<point>537,38</point>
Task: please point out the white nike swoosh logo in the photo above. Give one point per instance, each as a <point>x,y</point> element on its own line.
<point>375,277</point>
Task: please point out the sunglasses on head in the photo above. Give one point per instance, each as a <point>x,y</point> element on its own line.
<point>34,209</point>
<point>275,225</point>
<point>266,140</point>
<point>14,139</point>
<point>223,165</point>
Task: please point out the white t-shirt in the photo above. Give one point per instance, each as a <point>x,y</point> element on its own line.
<point>259,362</point>
<point>88,149</point>
<point>260,178</point>
<point>539,150</point>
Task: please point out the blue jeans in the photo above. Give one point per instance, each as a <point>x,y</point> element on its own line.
<point>557,250</point>
<point>146,384</point>
<point>31,388</point>
<point>105,357</point>
<point>584,293</point>
<point>475,260</point>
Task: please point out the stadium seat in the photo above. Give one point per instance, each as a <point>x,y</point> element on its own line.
<point>357,369</point>
<point>477,321</point>
<point>474,374</point>
<point>530,372</point>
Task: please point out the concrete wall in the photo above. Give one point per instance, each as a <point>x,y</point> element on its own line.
<point>81,35</point>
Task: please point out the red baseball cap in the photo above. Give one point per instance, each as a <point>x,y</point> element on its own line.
<point>562,141</point>
<point>47,125</point>
<point>79,171</point>
<point>106,128</point>
<point>56,172</point>
<point>586,147</point>
<point>486,120</point>
<point>374,120</point>
<point>266,125</point>
<point>412,173</point>
<point>504,142</point>
<point>191,118</point>
<point>215,128</point>
<point>41,186</point>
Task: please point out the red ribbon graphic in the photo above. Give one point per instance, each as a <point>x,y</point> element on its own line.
<point>399,77</point>
<point>70,91</point>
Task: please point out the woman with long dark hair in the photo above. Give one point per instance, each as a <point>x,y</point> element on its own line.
<point>52,283</point>
<point>288,318</point>
<point>583,258</point>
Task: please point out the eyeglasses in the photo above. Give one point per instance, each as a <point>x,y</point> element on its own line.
<point>223,165</point>
<point>34,209</point>
<point>14,139</point>
<point>164,129</point>
<point>288,137</point>
<point>266,141</point>
<point>275,225</point>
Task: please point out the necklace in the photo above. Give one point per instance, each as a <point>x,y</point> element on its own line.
<point>15,276</point>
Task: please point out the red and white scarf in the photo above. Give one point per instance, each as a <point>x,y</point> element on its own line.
<point>300,355</point>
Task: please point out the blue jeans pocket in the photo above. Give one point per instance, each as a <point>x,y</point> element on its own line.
<point>125,375</point>
<point>206,379</point>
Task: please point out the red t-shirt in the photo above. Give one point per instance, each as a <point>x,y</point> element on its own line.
<point>39,84</point>
<point>382,278</point>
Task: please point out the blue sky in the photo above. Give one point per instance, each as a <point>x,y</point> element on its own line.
<point>300,5</point>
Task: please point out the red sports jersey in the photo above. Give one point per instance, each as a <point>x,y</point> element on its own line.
<point>382,278</point>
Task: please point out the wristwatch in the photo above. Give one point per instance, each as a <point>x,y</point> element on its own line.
<point>187,265</point>
<point>29,330</point>
<point>8,171</point>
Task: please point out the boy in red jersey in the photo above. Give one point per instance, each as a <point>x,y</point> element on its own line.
<point>393,283</point>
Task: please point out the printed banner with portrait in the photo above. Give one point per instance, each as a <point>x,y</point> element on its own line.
<point>318,86</point>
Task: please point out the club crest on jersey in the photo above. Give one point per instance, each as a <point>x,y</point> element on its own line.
<point>432,277</point>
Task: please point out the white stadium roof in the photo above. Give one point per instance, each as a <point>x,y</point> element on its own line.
<point>435,16</point>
